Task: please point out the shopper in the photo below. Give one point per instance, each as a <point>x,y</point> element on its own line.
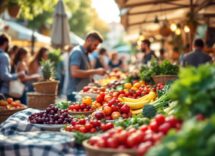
<point>198,56</point>
<point>80,68</point>
<point>12,52</point>
<point>35,64</point>
<point>21,64</point>
<point>100,61</point>
<point>148,53</point>
<point>5,75</point>
<point>115,62</point>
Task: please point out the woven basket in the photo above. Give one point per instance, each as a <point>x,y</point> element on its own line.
<point>46,87</point>
<point>164,78</point>
<point>40,101</point>
<point>4,114</point>
<point>93,151</point>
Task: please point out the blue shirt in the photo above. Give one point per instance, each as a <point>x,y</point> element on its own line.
<point>5,75</point>
<point>78,57</point>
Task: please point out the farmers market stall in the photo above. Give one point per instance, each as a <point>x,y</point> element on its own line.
<point>122,113</point>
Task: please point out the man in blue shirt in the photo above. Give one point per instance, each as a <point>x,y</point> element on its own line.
<point>148,53</point>
<point>80,70</point>
<point>5,75</point>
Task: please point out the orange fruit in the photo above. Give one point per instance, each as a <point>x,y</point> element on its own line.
<point>127,85</point>
<point>137,85</point>
<point>87,100</point>
<point>115,115</point>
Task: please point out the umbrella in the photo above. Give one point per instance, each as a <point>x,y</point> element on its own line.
<point>60,31</point>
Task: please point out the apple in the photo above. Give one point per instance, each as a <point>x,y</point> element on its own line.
<point>125,109</point>
<point>99,115</point>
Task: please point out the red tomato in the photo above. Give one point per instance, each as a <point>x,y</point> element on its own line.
<point>94,140</point>
<point>153,126</point>
<point>83,129</point>
<point>122,136</point>
<point>112,101</point>
<point>115,115</point>
<point>73,122</point>
<point>89,126</point>
<point>157,136</point>
<point>200,117</point>
<point>143,128</point>
<point>109,125</point>
<point>9,100</point>
<point>95,123</point>
<point>114,108</point>
<point>82,106</point>
<point>144,147</point>
<point>92,130</point>
<point>107,110</point>
<point>112,143</point>
<point>101,143</point>
<point>100,98</point>
<point>82,121</point>
<point>164,128</point>
<point>131,130</point>
<point>172,121</point>
<point>160,119</point>
<point>69,128</point>
<point>133,140</point>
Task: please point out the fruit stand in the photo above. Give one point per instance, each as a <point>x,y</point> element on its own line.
<point>120,114</point>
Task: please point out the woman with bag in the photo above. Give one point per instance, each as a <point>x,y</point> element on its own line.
<point>21,64</point>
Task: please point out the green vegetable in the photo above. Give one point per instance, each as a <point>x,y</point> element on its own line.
<point>195,91</point>
<point>165,68</point>
<point>80,137</point>
<point>196,138</point>
<point>150,110</point>
<point>63,104</point>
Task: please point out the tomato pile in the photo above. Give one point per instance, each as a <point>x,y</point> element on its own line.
<point>141,139</point>
<point>10,104</point>
<point>113,110</point>
<point>93,89</point>
<point>88,126</point>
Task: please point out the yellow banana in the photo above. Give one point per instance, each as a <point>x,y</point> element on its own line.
<point>137,111</point>
<point>125,99</point>
<point>138,105</point>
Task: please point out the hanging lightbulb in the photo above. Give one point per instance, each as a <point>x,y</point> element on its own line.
<point>177,31</point>
<point>173,26</point>
<point>186,29</point>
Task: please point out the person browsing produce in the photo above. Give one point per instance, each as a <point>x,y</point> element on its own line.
<point>198,56</point>
<point>148,53</point>
<point>80,69</point>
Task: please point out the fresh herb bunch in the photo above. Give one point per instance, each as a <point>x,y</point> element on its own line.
<point>195,91</point>
<point>195,138</point>
<point>165,68</point>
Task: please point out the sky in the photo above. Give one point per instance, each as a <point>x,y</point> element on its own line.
<point>107,10</point>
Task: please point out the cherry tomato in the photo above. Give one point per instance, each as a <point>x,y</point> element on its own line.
<point>172,121</point>
<point>160,119</point>
<point>88,126</point>
<point>92,130</point>
<point>94,140</point>
<point>133,140</point>
<point>164,128</point>
<point>83,129</point>
<point>112,143</point>
<point>143,147</point>
<point>153,126</point>
<point>122,136</point>
<point>143,128</point>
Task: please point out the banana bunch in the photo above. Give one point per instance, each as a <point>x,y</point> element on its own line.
<point>136,105</point>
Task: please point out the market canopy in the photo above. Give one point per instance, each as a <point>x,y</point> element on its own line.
<point>146,15</point>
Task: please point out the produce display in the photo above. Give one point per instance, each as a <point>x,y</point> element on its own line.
<point>141,139</point>
<point>52,115</point>
<point>165,68</point>
<point>88,126</point>
<point>10,104</point>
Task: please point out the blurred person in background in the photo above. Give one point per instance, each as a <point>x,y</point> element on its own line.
<point>80,69</point>
<point>35,64</point>
<point>184,53</point>
<point>115,61</point>
<point>5,75</point>
<point>148,53</point>
<point>21,65</point>
<point>100,61</point>
<point>162,54</point>
<point>197,56</point>
<point>12,52</point>
<point>175,55</point>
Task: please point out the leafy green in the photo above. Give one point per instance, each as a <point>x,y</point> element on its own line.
<point>165,68</point>
<point>195,138</point>
<point>195,91</point>
<point>80,137</point>
<point>63,104</point>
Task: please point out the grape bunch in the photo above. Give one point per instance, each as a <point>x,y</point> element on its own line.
<point>51,115</point>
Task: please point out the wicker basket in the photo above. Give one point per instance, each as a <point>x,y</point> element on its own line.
<point>46,87</point>
<point>6,113</point>
<point>164,78</point>
<point>93,151</point>
<point>40,101</point>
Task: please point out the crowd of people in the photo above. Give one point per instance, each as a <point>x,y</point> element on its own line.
<point>80,64</point>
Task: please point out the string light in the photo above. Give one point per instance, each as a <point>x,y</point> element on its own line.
<point>177,31</point>
<point>186,29</point>
<point>173,27</point>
